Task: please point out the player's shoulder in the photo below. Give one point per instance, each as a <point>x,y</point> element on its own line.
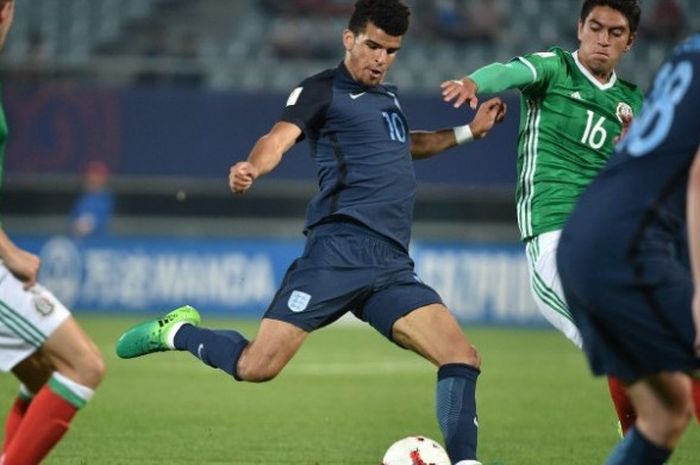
<point>324,77</point>
<point>630,88</point>
<point>690,46</point>
<point>315,88</point>
<point>549,62</point>
<point>552,54</point>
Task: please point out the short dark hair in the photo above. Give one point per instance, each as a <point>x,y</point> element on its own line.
<point>391,16</point>
<point>629,8</point>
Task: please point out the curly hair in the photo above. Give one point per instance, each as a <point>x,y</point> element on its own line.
<point>389,15</point>
<point>629,8</point>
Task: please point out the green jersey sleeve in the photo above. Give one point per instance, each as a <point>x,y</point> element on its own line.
<point>498,77</point>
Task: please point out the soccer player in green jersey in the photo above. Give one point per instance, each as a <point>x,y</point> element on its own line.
<point>573,109</point>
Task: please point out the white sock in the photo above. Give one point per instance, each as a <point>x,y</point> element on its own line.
<point>83,392</point>
<point>170,337</point>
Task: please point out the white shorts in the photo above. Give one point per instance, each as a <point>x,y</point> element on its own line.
<point>27,318</point>
<point>545,284</point>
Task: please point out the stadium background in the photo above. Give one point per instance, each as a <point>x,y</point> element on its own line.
<point>169,93</point>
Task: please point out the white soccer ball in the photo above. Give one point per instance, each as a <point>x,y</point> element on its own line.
<point>416,450</point>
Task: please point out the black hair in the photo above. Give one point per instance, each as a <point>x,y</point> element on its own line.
<point>629,8</point>
<point>391,16</point>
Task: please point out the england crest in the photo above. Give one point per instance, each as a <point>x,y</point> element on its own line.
<point>298,301</point>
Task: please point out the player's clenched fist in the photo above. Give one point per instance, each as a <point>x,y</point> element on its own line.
<point>241,176</point>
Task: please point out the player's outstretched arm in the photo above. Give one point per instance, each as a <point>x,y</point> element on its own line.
<point>22,264</point>
<point>425,144</point>
<point>264,157</point>
<point>490,79</point>
<point>693,219</point>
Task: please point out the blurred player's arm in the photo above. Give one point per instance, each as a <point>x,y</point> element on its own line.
<point>22,264</point>
<point>490,79</point>
<point>425,144</point>
<point>693,217</point>
<point>264,157</point>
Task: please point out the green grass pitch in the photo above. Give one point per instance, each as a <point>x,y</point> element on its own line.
<point>344,399</point>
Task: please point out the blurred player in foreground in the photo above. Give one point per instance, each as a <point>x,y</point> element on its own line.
<point>40,342</point>
<point>634,299</point>
<point>573,108</point>
<point>358,230</point>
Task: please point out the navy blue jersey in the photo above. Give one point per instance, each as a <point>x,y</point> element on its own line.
<point>640,197</point>
<point>360,144</point>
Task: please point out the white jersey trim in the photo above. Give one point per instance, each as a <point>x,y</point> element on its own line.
<point>529,167</point>
<point>529,65</point>
<point>590,77</point>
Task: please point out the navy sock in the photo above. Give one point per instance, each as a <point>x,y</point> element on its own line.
<point>217,348</point>
<point>456,410</point>
<point>635,449</point>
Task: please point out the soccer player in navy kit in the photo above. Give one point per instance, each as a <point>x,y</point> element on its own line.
<point>629,289</point>
<point>358,230</point>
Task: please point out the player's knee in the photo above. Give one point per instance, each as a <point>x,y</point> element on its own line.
<point>471,356</point>
<point>462,353</point>
<point>256,374</point>
<point>90,369</point>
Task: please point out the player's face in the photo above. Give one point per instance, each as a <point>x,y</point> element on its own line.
<point>370,54</point>
<point>605,36</point>
<point>7,14</point>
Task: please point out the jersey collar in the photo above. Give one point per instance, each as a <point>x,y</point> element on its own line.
<point>352,84</point>
<point>590,77</point>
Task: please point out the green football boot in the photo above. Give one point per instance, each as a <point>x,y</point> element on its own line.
<point>155,335</point>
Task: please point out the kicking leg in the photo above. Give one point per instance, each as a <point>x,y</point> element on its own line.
<point>432,332</point>
<point>256,361</point>
<point>273,347</point>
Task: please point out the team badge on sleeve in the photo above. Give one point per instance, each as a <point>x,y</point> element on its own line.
<point>624,111</point>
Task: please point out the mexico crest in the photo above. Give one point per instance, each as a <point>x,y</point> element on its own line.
<point>624,111</point>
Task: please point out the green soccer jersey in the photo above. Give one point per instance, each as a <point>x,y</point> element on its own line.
<point>568,125</point>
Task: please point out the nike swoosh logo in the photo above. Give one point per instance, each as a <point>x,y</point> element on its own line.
<point>356,96</point>
<point>199,351</point>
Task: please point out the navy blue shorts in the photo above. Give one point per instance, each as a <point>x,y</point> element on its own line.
<point>348,268</point>
<point>634,315</point>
